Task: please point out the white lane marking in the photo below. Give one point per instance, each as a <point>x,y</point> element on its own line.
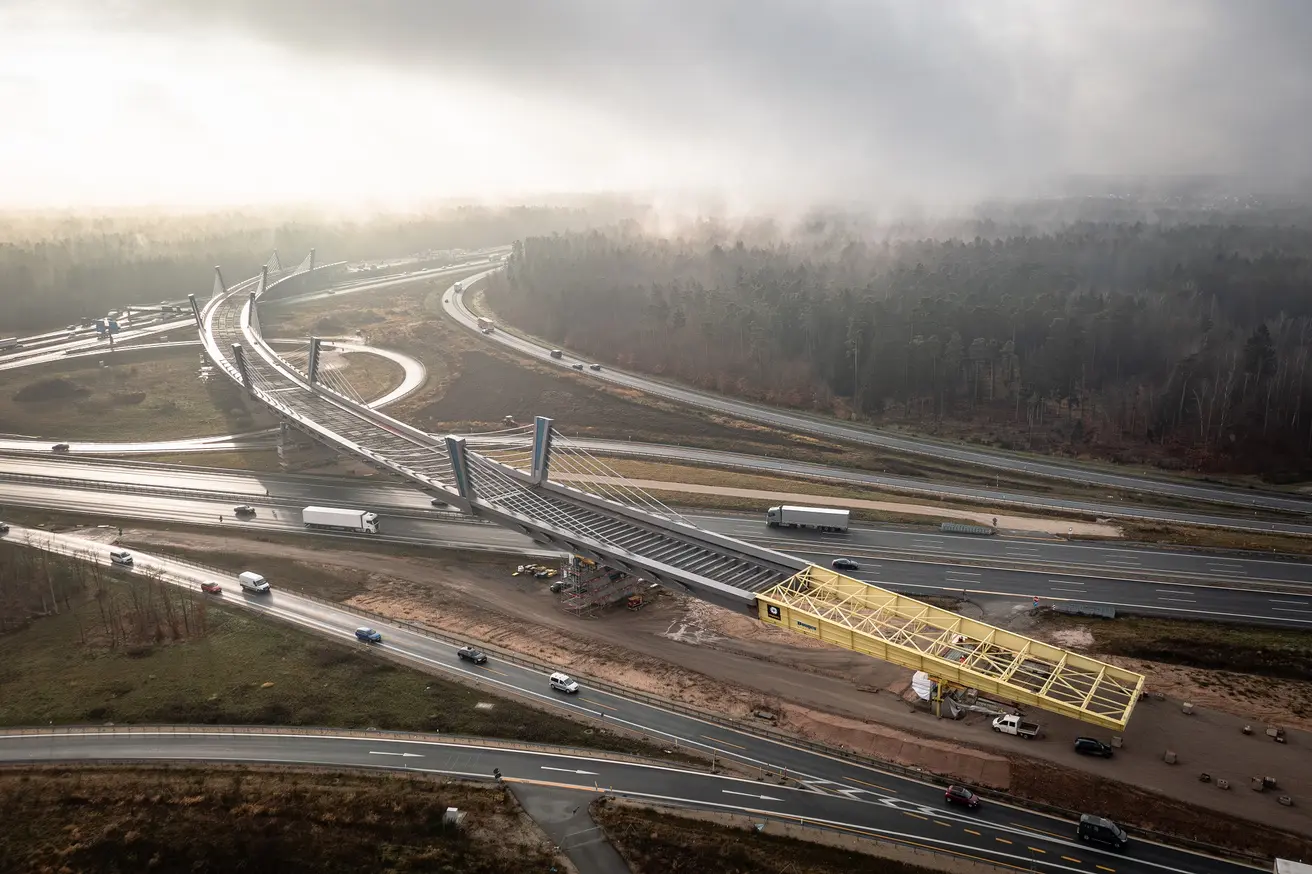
<point>964,573</point>
<point>404,755</point>
<point>1290,610</point>
<point>1173,591</point>
<point>569,771</point>
<point>1068,582</point>
<point>1060,589</point>
<point>1295,603</point>
<point>1179,600</point>
<point>749,795</point>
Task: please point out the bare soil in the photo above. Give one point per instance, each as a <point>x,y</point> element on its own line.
<point>708,657</point>
<point>661,841</point>
<point>258,820</point>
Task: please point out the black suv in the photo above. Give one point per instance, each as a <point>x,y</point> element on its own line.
<point>1091,746</point>
<point>844,564</point>
<point>1099,830</point>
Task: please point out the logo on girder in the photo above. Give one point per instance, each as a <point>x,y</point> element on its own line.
<point>773,612</point>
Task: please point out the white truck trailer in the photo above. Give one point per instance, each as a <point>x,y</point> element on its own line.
<point>336,518</point>
<point>819,518</point>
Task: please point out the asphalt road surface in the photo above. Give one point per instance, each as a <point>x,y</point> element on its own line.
<point>802,423</point>
<point>1176,584</point>
<point>831,791</point>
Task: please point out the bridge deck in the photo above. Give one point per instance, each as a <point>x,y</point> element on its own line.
<point>497,486</point>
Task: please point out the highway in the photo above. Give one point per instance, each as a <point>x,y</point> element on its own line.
<point>828,790</point>
<point>802,423</point>
<point>681,454</point>
<point>1151,582</point>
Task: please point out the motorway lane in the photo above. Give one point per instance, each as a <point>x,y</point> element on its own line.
<point>985,835</point>
<point>891,542</point>
<point>407,517</point>
<point>842,791</point>
<point>937,490</point>
<point>453,305</point>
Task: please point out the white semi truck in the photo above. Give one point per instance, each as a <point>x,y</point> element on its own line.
<point>819,518</point>
<point>359,521</point>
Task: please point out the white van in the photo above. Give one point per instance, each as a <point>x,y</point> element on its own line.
<point>562,683</point>
<point>253,583</point>
<point>120,556</point>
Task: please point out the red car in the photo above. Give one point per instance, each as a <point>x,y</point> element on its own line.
<point>211,588</point>
<point>961,795</point>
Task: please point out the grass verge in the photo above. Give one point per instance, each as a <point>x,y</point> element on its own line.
<point>166,396</point>
<point>258,820</point>
<point>1279,653</point>
<point>656,841</point>
<point>84,666</point>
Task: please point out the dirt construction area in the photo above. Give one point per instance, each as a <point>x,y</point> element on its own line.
<point>687,650</point>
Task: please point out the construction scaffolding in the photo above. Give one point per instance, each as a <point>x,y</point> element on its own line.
<point>590,586</point>
<point>951,651</point>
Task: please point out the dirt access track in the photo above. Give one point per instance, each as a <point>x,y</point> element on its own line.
<point>684,649</point>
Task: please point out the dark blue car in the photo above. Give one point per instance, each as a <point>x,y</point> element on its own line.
<point>368,635</point>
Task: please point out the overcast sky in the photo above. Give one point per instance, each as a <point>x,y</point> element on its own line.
<point>760,102</point>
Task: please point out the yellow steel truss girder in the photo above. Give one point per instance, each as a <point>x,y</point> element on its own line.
<point>846,612</point>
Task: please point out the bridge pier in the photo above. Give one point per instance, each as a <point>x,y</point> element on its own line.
<point>541,467</point>
<point>264,279</point>
<point>312,369</point>
<point>255,315</point>
<point>195,308</point>
<point>311,259</point>
<point>455,447</point>
<point>220,287</point>
<point>240,355</point>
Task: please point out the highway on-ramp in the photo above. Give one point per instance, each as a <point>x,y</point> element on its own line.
<point>994,834</point>
<point>828,789</point>
<point>801,423</point>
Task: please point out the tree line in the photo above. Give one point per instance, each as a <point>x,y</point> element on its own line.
<point>54,270</point>
<point>132,610</point>
<point>1184,342</point>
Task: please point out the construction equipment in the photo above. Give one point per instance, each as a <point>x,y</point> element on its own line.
<point>636,602</point>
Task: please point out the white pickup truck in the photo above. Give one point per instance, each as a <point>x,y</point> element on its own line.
<point>1015,725</point>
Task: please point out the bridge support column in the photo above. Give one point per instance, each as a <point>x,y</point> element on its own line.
<point>255,315</point>
<point>220,287</point>
<point>264,279</point>
<point>312,369</point>
<point>240,354</point>
<point>195,308</point>
<point>455,447</point>
<point>311,259</point>
<point>541,449</point>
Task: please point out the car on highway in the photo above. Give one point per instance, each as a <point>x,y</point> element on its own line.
<point>577,366</point>
<point>120,556</point>
<point>1091,746</point>
<point>1100,830</point>
<point>844,564</point>
<point>438,502</point>
<point>562,683</point>
<point>368,635</point>
<point>4,527</point>
<point>469,654</point>
<point>211,588</point>
<point>59,447</point>
<point>962,796</point>
<point>594,367</point>
<point>244,510</point>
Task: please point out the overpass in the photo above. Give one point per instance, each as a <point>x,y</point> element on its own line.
<point>505,477</point>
